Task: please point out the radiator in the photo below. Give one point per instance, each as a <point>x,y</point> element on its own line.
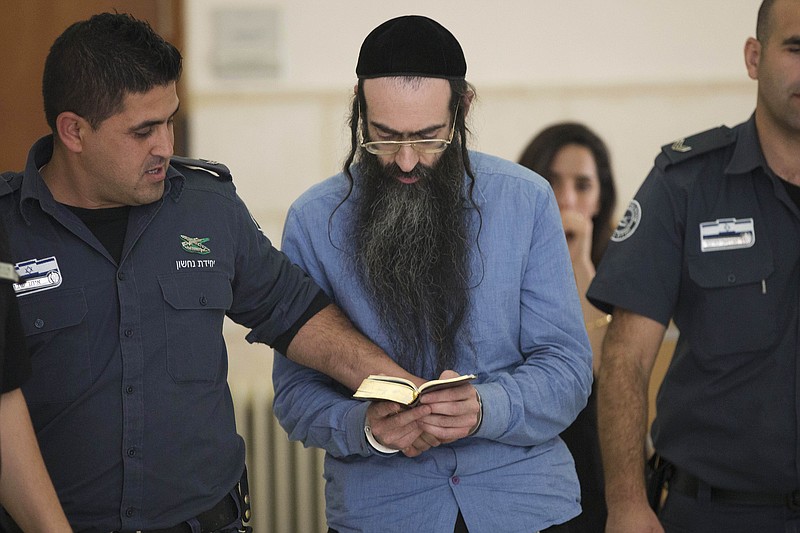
<point>286,484</point>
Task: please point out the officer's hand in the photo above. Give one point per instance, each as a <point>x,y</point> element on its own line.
<point>455,411</point>
<point>396,427</point>
<point>632,519</point>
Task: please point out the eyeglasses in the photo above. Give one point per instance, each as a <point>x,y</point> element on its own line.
<point>421,146</point>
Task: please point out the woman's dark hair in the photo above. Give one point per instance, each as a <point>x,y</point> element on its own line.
<point>95,63</point>
<point>540,153</point>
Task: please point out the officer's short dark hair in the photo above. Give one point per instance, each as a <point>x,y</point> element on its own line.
<point>763,22</point>
<point>95,63</point>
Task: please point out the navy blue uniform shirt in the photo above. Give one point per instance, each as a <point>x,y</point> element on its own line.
<point>712,239</point>
<point>129,393</point>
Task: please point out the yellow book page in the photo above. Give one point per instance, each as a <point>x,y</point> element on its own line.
<point>376,389</point>
<point>436,384</point>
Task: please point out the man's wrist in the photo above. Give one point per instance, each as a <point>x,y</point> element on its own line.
<point>480,415</point>
<point>377,446</point>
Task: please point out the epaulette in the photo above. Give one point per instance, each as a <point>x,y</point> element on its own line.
<point>10,182</point>
<point>689,147</point>
<point>212,167</point>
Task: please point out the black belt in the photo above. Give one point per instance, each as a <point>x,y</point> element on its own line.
<point>687,484</point>
<point>219,516</point>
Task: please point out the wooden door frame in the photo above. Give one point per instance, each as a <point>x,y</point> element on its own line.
<point>29,29</point>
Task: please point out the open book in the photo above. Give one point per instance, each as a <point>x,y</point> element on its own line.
<point>401,390</point>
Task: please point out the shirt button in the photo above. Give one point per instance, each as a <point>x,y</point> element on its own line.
<point>131,452</point>
<point>38,323</point>
<point>129,389</point>
<point>203,300</point>
<point>731,278</point>
<point>456,480</point>
<point>129,333</point>
<point>129,512</point>
<point>121,276</point>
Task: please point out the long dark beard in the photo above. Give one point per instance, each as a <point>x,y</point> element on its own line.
<point>411,250</point>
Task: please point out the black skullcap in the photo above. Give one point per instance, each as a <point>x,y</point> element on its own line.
<point>411,45</point>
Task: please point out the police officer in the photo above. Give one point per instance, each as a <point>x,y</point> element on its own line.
<point>128,265</point>
<point>711,241</point>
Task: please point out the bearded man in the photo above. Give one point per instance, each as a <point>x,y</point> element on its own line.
<point>454,262</point>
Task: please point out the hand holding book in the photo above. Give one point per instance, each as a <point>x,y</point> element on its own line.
<point>429,423</point>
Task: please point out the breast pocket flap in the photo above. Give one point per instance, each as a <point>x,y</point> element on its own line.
<point>197,290</point>
<point>738,267</point>
<point>43,312</point>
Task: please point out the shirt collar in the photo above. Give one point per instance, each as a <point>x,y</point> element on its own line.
<point>747,154</point>
<point>174,183</point>
<point>33,186</point>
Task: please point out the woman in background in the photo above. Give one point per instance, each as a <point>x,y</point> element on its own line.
<point>576,162</point>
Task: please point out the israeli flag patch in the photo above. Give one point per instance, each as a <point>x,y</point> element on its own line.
<point>727,234</point>
<point>37,275</point>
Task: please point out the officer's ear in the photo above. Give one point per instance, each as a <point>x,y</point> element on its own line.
<point>70,128</point>
<point>752,57</point>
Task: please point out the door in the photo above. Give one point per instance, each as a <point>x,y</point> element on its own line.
<point>27,30</point>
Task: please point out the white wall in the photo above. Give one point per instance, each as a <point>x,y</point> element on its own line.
<point>507,42</point>
<point>640,73</point>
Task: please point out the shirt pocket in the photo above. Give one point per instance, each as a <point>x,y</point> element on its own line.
<point>733,310</point>
<point>194,311</point>
<point>493,327</point>
<point>57,335</point>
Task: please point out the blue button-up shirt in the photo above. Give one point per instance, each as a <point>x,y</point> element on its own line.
<point>529,350</point>
<point>129,393</point>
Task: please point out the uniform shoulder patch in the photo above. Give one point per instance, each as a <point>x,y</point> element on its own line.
<point>10,182</point>
<point>629,222</point>
<point>689,147</point>
<point>212,167</point>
